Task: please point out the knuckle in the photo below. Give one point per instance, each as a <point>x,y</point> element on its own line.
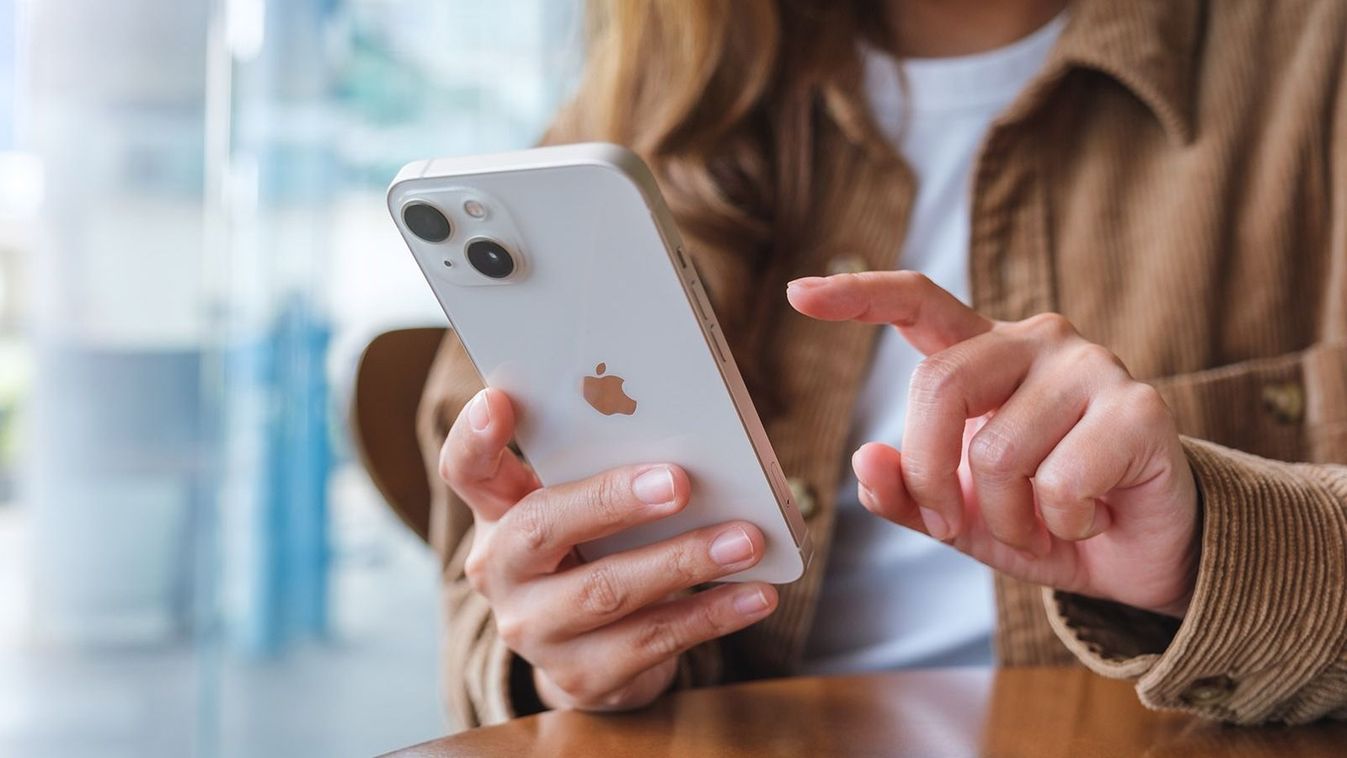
<point>933,379</point>
<point>682,566</point>
<point>475,572</point>
<point>609,494</point>
<point>1052,326</point>
<point>659,638</point>
<point>993,453</point>
<point>533,524</point>
<point>475,565</point>
<point>1148,405</point>
<point>512,629</point>
<point>1094,354</point>
<point>601,594</point>
<point>1055,486</point>
<point>710,619</point>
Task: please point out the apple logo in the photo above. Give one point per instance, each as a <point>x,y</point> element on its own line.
<point>605,393</point>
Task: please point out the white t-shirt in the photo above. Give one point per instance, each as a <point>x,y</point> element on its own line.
<point>892,598</point>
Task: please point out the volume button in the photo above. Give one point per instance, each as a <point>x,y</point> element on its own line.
<point>701,301</point>
<point>713,334</point>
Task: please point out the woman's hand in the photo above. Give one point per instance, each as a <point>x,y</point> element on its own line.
<point>604,635</point>
<point>1026,447</point>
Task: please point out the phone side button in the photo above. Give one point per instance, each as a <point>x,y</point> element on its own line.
<point>700,301</point>
<point>713,334</point>
<point>682,261</point>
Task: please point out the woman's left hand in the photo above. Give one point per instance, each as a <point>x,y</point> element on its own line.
<point>1027,447</point>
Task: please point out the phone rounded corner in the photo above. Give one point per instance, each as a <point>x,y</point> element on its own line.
<point>405,175</point>
<point>789,570</point>
<point>615,154</point>
<point>805,555</point>
<point>626,162</point>
<point>391,202</point>
<point>806,549</point>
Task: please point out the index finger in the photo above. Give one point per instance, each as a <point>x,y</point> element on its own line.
<point>928,316</point>
<point>550,522</point>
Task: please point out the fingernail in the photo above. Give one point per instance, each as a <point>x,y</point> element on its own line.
<point>805,283</point>
<point>867,497</point>
<point>750,602</point>
<point>935,524</point>
<point>732,547</point>
<point>479,415</point>
<point>654,486</point>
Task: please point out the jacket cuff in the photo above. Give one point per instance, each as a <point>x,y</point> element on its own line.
<point>1268,613</point>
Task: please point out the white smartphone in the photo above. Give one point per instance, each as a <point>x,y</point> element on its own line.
<point>563,274</point>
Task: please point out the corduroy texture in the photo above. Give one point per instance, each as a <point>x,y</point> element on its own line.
<point>1266,624</point>
<point>1175,183</point>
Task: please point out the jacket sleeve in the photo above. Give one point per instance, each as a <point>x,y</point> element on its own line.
<point>484,681</point>
<point>1265,636</point>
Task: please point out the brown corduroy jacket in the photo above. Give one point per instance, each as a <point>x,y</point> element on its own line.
<point>1175,183</point>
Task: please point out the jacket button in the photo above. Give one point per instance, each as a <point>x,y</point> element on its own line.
<point>847,264</point>
<point>1208,691</point>
<point>1285,402</point>
<point>803,496</point>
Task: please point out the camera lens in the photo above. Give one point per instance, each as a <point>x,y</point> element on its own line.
<point>426,222</point>
<point>490,258</point>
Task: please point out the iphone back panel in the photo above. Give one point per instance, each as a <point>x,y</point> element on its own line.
<point>599,330</point>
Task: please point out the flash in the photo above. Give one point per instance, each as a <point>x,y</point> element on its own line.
<point>474,208</point>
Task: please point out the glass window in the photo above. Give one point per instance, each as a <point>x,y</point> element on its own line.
<point>193,252</point>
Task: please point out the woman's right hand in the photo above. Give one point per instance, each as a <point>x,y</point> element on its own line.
<point>604,635</point>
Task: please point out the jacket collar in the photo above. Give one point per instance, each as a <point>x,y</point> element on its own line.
<point>1148,46</point>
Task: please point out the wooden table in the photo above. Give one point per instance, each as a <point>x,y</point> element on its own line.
<point>1042,712</point>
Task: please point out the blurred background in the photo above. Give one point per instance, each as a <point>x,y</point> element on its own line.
<point>193,253</point>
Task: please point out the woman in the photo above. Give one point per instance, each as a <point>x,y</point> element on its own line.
<point>1153,476</point>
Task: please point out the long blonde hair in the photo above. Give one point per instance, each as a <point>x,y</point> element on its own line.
<point>724,99</point>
